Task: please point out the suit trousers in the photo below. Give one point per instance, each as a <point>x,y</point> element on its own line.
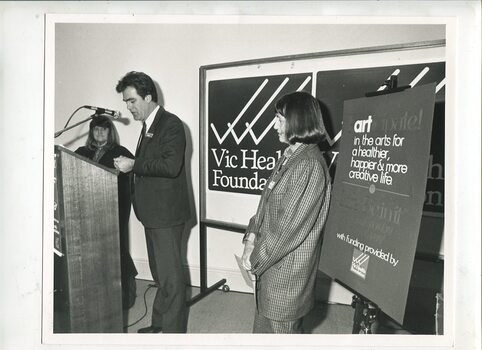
<point>169,310</point>
<point>263,324</point>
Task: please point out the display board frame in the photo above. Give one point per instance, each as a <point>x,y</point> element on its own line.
<point>236,208</point>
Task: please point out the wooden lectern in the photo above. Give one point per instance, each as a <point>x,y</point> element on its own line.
<point>87,277</point>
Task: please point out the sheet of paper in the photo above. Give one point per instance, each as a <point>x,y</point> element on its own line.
<point>247,276</point>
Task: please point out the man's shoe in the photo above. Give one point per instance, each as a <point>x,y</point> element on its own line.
<point>150,329</point>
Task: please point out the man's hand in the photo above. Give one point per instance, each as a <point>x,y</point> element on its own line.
<point>123,164</point>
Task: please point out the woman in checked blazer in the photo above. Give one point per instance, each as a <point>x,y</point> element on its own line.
<point>283,240</point>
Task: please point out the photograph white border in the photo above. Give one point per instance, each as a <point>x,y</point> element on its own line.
<point>22,59</point>
<point>233,339</point>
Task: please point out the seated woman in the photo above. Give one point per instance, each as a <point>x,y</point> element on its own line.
<point>102,146</point>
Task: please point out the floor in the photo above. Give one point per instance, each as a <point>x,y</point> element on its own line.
<point>233,312</point>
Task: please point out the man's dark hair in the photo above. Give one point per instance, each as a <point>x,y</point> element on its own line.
<point>141,82</point>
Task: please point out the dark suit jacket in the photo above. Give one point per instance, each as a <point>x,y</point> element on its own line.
<point>288,226</point>
<point>160,185</point>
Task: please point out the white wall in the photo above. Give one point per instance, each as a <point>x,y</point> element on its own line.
<point>91,58</point>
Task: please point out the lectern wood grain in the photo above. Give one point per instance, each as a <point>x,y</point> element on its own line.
<point>88,298</point>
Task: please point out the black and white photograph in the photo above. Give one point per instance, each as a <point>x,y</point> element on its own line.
<point>241,174</point>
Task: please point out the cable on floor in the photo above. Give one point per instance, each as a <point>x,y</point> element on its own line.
<point>145,307</point>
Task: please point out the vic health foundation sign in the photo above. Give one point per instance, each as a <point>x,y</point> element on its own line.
<point>378,194</point>
<point>242,146</point>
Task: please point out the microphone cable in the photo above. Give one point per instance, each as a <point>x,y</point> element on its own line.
<point>145,308</point>
<point>68,120</point>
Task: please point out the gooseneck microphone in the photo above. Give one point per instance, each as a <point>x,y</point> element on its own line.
<point>99,110</point>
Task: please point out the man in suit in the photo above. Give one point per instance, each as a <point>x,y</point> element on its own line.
<point>159,197</point>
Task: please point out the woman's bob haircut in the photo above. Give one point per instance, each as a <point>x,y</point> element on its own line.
<point>304,122</point>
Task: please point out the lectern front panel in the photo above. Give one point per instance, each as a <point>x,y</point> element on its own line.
<point>87,275</point>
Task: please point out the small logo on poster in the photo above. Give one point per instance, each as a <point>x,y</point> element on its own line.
<point>359,263</point>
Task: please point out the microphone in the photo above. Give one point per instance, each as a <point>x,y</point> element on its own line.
<point>99,110</point>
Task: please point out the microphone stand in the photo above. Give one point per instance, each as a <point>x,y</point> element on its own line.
<point>58,133</point>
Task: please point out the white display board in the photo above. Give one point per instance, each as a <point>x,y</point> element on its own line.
<point>238,143</point>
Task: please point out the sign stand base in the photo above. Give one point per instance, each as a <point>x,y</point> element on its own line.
<point>205,290</point>
<point>365,320</point>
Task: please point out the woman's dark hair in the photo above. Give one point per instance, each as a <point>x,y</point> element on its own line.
<point>304,122</point>
<point>141,82</point>
<point>104,122</point>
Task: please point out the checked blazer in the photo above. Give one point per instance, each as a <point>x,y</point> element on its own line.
<point>160,185</point>
<point>288,227</point>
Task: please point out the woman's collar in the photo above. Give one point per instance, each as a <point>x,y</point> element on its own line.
<point>100,146</point>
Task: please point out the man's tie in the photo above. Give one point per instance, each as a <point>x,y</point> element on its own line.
<point>141,137</point>
<point>133,175</point>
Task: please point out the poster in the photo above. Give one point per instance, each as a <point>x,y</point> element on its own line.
<point>380,186</point>
<point>242,147</point>
<point>333,87</point>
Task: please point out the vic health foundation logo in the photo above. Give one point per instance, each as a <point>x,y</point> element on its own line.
<point>359,263</point>
<point>243,146</point>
